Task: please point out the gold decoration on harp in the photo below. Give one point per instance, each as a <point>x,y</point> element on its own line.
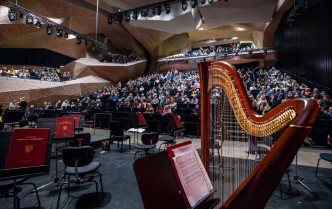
<point>222,78</point>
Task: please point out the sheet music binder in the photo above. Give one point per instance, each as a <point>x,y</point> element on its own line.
<point>9,151</point>
<point>159,186</point>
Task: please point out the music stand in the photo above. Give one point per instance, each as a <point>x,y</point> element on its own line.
<point>13,117</point>
<point>24,158</point>
<point>158,185</point>
<point>139,124</point>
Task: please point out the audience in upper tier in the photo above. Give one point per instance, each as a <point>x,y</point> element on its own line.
<point>119,58</point>
<point>43,73</point>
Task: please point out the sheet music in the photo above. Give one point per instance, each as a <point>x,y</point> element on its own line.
<point>138,130</point>
<point>194,179</point>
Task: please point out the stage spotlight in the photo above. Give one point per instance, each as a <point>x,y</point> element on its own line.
<point>21,15</point>
<point>135,15</point>
<point>38,24</point>
<point>110,19</point>
<point>226,55</point>
<point>145,12</point>
<point>59,33</point>
<point>12,16</point>
<point>66,35</point>
<point>184,5</point>
<point>127,17</point>
<point>49,30</point>
<point>265,50</point>
<point>29,20</point>
<point>203,1</point>
<point>250,52</point>
<point>211,1</point>
<point>154,11</point>
<point>78,40</point>
<point>193,3</point>
<point>159,10</point>
<point>168,8</point>
<point>237,53</point>
<point>118,19</point>
<point>94,48</point>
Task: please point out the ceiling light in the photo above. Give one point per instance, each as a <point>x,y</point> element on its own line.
<point>234,38</point>
<point>118,19</point>
<point>59,33</point>
<point>159,10</point>
<point>127,17</point>
<point>38,24</point>
<point>94,48</point>
<point>110,19</point>
<point>145,12</point>
<point>29,20</point>
<point>168,8</point>
<point>49,30</point>
<point>211,1</point>
<point>203,1</point>
<point>12,16</point>
<point>66,35</point>
<point>154,11</point>
<point>78,40</point>
<point>134,15</point>
<point>193,3</point>
<point>184,5</point>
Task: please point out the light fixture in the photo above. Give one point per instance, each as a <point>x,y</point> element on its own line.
<point>49,30</point>
<point>237,53</point>
<point>184,5</point>
<point>94,48</point>
<point>226,55</point>
<point>193,3</point>
<point>38,24</point>
<point>211,1</point>
<point>29,19</point>
<point>168,8</point>
<point>21,15</point>
<point>119,18</point>
<point>12,16</point>
<point>66,35</point>
<point>110,19</point>
<point>234,38</point>
<point>127,17</point>
<point>250,52</point>
<point>159,10</point>
<point>135,15</point>
<point>145,12</point>
<point>265,50</point>
<point>203,1</point>
<point>154,11</point>
<point>78,40</point>
<point>59,33</point>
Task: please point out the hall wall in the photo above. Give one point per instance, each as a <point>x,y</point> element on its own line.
<point>305,47</point>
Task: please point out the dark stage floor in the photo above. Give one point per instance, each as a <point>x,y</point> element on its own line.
<point>121,189</point>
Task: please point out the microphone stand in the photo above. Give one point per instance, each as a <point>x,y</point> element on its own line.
<point>298,178</point>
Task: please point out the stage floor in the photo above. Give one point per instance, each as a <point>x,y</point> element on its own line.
<point>122,192</point>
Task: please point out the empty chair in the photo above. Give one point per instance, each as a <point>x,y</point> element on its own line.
<point>78,163</point>
<point>117,134</point>
<point>149,141</point>
<point>324,156</point>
